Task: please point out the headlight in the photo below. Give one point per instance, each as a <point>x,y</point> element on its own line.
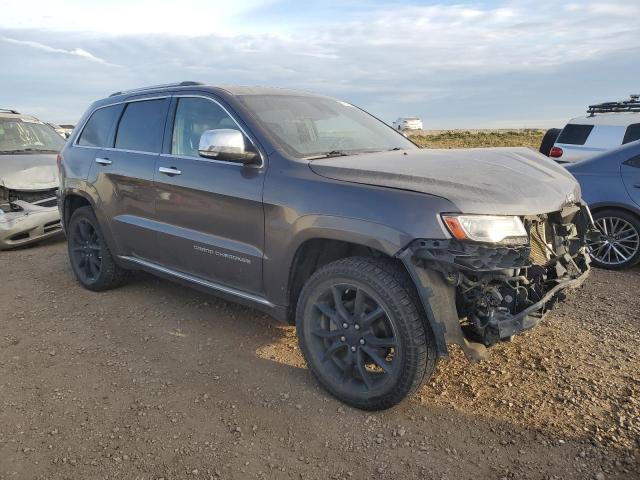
<point>484,228</point>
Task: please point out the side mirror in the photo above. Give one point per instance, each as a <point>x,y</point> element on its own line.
<point>225,144</point>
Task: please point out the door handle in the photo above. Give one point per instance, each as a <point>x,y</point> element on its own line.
<point>103,161</point>
<point>171,171</point>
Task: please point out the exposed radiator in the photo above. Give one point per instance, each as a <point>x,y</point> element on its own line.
<point>538,239</point>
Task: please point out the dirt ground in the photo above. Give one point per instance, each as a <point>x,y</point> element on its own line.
<point>155,380</point>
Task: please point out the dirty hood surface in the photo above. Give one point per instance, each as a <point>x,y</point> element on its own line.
<point>29,172</point>
<point>500,181</point>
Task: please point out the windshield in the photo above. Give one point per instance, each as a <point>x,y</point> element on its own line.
<point>28,135</point>
<point>306,126</point>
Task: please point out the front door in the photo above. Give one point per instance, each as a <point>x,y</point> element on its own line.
<point>212,214</point>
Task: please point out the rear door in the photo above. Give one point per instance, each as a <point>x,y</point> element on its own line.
<point>123,176</point>
<point>630,171</point>
<point>212,214</point>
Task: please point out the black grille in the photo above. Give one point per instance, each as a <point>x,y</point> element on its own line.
<point>49,202</point>
<point>43,198</point>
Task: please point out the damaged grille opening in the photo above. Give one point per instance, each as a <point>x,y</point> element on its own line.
<point>503,289</point>
<point>42,198</point>
<point>48,202</point>
<point>489,303</point>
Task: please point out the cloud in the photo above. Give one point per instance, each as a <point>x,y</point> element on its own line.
<point>454,65</point>
<point>79,52</point>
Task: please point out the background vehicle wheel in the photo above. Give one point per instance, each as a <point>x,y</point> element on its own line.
<point>363,333</point>
<point>548,140</point>
<point>619,243</point>
<point>89,255</point>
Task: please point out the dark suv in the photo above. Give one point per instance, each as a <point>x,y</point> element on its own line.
<point>314,211</point>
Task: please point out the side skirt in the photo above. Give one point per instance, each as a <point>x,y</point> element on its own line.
<point>228,293</point>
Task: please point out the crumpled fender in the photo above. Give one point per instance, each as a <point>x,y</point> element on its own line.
<point>439,301</point>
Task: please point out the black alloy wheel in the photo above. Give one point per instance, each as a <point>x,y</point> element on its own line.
<point>363,332</point>
<point>86,251</point>
<point>352,332</point>
<point>90,257</point>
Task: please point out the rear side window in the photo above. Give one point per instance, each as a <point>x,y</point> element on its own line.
<point>96,131</point>
<point>632,134</point>
<point>574,134</point>
<point>141,126</point>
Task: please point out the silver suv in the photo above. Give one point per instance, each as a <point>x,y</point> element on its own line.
<point>605,127</point>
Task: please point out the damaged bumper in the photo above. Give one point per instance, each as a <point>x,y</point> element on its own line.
<point>477,294</point>
<point>23,223</point>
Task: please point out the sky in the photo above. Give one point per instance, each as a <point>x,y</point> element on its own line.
<point>454,64</point>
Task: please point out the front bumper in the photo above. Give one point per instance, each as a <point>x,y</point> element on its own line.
<point>479,294</point>
<point>28,225</point>
<point>507,325</point>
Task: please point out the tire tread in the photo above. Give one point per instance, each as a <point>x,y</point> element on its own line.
<point>393,284</point>
<point>111,274</point>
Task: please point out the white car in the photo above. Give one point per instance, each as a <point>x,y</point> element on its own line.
<point>407,123</point>
<point>605,127</point>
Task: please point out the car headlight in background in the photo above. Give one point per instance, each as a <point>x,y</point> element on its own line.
<point>484,228</point>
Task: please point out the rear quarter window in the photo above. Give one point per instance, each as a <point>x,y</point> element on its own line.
<point>97,130</point>
<point>632,133</point>
<point>574,134</point>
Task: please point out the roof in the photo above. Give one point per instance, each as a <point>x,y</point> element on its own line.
<point>229,89</point>
<point>10,114</point>
<point>240,90</point>
<point>614,119</point>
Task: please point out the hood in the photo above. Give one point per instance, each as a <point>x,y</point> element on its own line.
<point>498,181</point>
<point>28,172</point>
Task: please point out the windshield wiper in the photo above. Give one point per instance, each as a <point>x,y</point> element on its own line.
<point>332,153</point>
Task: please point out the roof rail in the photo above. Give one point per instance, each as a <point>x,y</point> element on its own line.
<point>631,105</point>
<point>8,110</point>
<point>187,83</point>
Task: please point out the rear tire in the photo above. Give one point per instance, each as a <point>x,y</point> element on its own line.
<point>619,244</point>
<point>549,140</point>
<point>363,332</point>
<point>90,257</point>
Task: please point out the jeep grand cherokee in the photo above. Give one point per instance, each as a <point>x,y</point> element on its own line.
<point>314,211</point>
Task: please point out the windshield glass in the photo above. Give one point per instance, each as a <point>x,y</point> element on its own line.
<point>306,126</point>
<point>27,135</point>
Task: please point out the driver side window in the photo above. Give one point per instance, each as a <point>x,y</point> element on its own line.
<point>193,117</point>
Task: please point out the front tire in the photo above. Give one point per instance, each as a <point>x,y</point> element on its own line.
<point>90,257</point>
<point>619,244</point>
<point>363,332</point>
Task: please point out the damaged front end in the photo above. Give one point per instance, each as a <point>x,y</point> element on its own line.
<point>27,216</point>
<point>477,294</point>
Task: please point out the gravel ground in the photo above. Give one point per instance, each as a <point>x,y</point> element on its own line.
<point>155,380</point>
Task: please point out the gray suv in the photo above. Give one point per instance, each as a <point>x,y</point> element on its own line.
<point>316,212</point>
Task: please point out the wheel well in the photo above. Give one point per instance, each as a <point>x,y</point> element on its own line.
<point>71,204</point>
<point>615,207</point>
<point>314,254</point>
